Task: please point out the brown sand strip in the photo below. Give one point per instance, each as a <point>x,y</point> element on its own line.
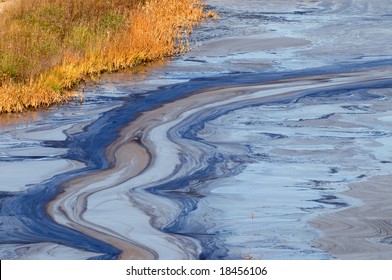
<point>129,152</point>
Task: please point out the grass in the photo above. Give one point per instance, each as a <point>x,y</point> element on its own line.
<point>47,47</point>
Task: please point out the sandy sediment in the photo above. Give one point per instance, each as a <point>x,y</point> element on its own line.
<point>361,232</point>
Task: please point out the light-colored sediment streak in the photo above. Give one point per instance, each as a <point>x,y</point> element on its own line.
<point>113,205</point>
<point>42,251</point>
<point>364,231</point>
<point>11,183</point>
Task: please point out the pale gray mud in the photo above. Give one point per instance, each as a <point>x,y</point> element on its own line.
<point>272,139</point>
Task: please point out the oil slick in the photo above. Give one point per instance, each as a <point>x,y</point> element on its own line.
<point>269,152</point>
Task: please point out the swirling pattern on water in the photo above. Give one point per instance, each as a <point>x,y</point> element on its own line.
<point>249,164</point>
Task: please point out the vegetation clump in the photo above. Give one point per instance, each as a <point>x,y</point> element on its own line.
<point>49,46</point>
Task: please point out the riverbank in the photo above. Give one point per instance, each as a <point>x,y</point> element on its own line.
<point>49,47</point>
<point>240,149</point>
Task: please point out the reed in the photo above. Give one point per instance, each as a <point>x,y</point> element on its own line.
<point>47,47</point>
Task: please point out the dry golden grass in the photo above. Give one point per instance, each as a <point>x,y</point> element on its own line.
<point>49,46</point>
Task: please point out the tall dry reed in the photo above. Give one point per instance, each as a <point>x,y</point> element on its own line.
<point>49,46</point>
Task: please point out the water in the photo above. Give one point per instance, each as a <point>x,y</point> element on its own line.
<point>241,149</point>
